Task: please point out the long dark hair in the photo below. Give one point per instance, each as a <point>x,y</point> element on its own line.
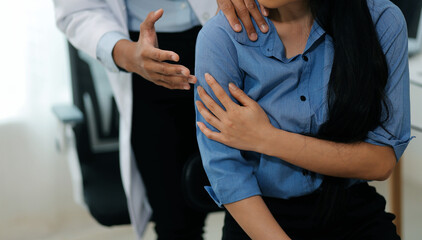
<point>356,90</point>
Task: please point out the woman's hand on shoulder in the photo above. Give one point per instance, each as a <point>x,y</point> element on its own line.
<point>244,126</point>
<point>244,9</point>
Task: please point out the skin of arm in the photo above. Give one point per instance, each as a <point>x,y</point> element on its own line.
<point>247,127</point>
<point>256,220</point>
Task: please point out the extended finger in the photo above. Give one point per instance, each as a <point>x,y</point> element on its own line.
<point>228,9</point>
<point>152,17</point>
<point>168,69</point>
<point>243,13</point>
<point>219,91</point>
<point>171,82</point>
<point>209,133</point>
<point>208,116</point>
<point>210,103</point>
<point>160,55</point>
<point>256,14</point>
<point>240,95</point>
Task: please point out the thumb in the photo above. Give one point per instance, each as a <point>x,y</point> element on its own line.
<point>148,23</point>
<point>240,95</point>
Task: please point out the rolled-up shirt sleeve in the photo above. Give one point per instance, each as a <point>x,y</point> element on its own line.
<point>395,131</point>
<point>105,48</point>
<point>231,175</point>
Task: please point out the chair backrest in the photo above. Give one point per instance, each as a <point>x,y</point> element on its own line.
<point>97,140</point>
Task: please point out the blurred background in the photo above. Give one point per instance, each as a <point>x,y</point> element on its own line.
<point>36,198</point>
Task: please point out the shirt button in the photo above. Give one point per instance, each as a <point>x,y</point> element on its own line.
<point>183,5</point>
<point>205,16</point>
<point>305,58</point>
<point>302,98</point>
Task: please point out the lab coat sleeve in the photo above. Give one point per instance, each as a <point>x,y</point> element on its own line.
<point>105,49</point>
<point>84,22</point>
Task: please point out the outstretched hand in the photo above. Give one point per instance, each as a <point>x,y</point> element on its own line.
<point>242,126</point>
<point>146,59</point>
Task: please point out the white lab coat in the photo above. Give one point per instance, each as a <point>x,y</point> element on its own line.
<point>84,22</point>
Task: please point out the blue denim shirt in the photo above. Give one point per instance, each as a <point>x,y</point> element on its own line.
<point>293,94</point>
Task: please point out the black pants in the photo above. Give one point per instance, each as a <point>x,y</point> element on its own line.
<point>364,218</point>
<point>163,137</point>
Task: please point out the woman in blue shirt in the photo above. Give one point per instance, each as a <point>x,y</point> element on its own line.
<point>321,105</point>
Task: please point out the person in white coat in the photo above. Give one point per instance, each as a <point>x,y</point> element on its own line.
<point>156,102</point>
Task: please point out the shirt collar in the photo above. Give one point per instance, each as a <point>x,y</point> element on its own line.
<point>271,44</point>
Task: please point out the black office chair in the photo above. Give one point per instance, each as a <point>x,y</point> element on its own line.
<point>94,121</point>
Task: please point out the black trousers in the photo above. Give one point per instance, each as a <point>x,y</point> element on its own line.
<point>163,137</point>
<point>364,218</point>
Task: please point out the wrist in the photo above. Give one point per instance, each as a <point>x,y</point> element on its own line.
<point>268,140</point>
<point>121,53</point>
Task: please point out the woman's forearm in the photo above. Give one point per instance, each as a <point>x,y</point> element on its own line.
<point>358,160</point>
<point>253,215</point>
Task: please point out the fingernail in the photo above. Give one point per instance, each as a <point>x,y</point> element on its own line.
<point>155,13</point>
<point>192,79</point>
<point>186,87</point>
<point>185,73</point>
<point>232,86</point>
<point>174,58</point>
<point>253,36</point>
<point>207,77</point>
<point>237,27</point>
<point>265,12</point>
<point>264,28</point>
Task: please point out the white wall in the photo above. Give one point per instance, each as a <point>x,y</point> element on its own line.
<point>34,74</point>
<point>412,161</point>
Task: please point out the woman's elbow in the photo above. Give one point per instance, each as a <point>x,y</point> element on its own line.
<point>386,168</point>
<point>385,174</point>
<point>379,164</point>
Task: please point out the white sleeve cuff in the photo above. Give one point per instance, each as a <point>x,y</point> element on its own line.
<point>105,49</point>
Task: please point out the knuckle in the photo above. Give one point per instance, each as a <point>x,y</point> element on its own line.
<point>157,55</point>
<point>170,83</point>
<point>144,66</point>
<point>163,70</point>
<point>229,124</point>
<point>212,108</point>
<point>250,5</point>
<point>212,136</point>
<point>243,11</point>
<point>208,118</point>
<point>225,5</point>
<point>164,79</point>
<point>208,134</point>
<point>143,53</point>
